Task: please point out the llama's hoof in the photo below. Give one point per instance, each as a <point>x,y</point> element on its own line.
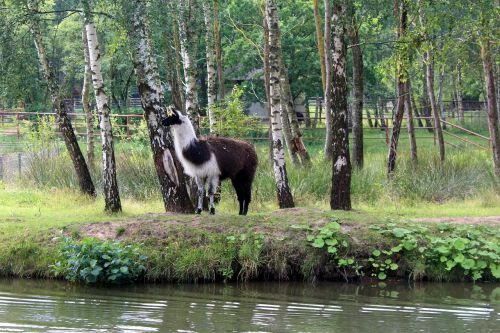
<point>212,211</point>
<point>198,211</point>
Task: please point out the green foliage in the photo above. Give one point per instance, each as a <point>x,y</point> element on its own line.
<point>93,261</point>
<point>471,250</point>
<point>336,244</point>
<point>230,119</point>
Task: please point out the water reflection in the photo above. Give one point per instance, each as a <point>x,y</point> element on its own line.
<point>48,306</point>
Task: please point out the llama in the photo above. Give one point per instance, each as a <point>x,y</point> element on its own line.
<point>213,159</point>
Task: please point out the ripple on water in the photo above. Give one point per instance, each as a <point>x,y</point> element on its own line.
<point>58,307</point>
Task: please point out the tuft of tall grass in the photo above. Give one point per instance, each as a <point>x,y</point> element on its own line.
<point>461,176</point>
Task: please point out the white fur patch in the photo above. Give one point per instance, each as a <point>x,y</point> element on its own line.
<point>183,136</point>
<point>207,169</point>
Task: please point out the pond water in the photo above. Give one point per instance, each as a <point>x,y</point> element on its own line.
<point>51,306</point>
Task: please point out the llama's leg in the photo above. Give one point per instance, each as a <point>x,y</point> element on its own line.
<point>212,188</point>
<point>242,184</point>
<point>201,191</point>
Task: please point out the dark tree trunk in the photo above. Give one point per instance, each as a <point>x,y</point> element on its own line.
<point>357,103</point>
<point>425,102</point>
<point>63,121</point>
<point>460,98</point>
<point>169,170</point>
<point>414,107</point>
<point>340,197</point>
<point>401,90</point>
<point>492,103</point>
<point>434,108</point>
<point>409,120</point>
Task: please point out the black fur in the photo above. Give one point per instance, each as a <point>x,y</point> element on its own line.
<point>198,152</point>
<point>238,161</point>
<point>171,120</point>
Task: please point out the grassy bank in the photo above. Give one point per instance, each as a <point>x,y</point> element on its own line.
<point>295,244</point>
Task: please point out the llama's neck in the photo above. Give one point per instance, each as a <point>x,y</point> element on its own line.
<point>184,135</point>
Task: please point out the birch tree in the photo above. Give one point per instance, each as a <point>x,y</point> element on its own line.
<point>211,59</point>
<point>111,193</point>
<point>169,170</point>
<point>63,121</point>
<point>357,87</point>
<point>340,197</point>
<point>328,67</point>
<point>86,104</point>
<point>285,199</point>
<point>218,52</point>
<point>188,36</point>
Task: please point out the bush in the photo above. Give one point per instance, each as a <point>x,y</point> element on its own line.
<point>93,261</point>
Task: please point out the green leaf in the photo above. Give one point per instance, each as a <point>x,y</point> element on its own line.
<point>495,270</point>
<point>333,225</point>
<point>450,264</point>
<point>331,241</point>
<point>459,258</point>
<point>382,276</point>
<point>400,232</point>
<point>409,245</point>
<point>443,259</point>
<point>318,243</point>
<point>459,244</point>
<point>468,263</point>
<point>332,249</point>
<point>92,263</point>
<point>394,266</point>
<point>310,238</point>
<point>376,253</point>
<point>124,269</point>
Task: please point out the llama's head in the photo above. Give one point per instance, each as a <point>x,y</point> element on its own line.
<point>176,119</point>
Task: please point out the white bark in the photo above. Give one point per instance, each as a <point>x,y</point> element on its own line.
<point>211,72</point>
<point>279,166</point>
<point>87,108</point>
<point>111,193</point>
<point>188,39</point>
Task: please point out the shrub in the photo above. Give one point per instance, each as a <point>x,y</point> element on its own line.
<point>91,261</point>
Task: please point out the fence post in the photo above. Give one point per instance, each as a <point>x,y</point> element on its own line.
<point>17,126</point>
<point>127,126</point>
<point>19,163</point>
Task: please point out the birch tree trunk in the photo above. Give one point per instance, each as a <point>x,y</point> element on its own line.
<point>111,193</point>
<point>328,67</point>
<point>424,100</point>
<point>63,121</point>
<point>357,103</point>
<point>489,79</point>
<point>267,80</point>
<point>401,77</point>
<point>285,199</point>
<point>218,52</point>
<point>188,36</point>
<point>321,43</point>
<point>86,105</point>
<point>340,197</point>
<point>168,168</point>
<point>211,58</point>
